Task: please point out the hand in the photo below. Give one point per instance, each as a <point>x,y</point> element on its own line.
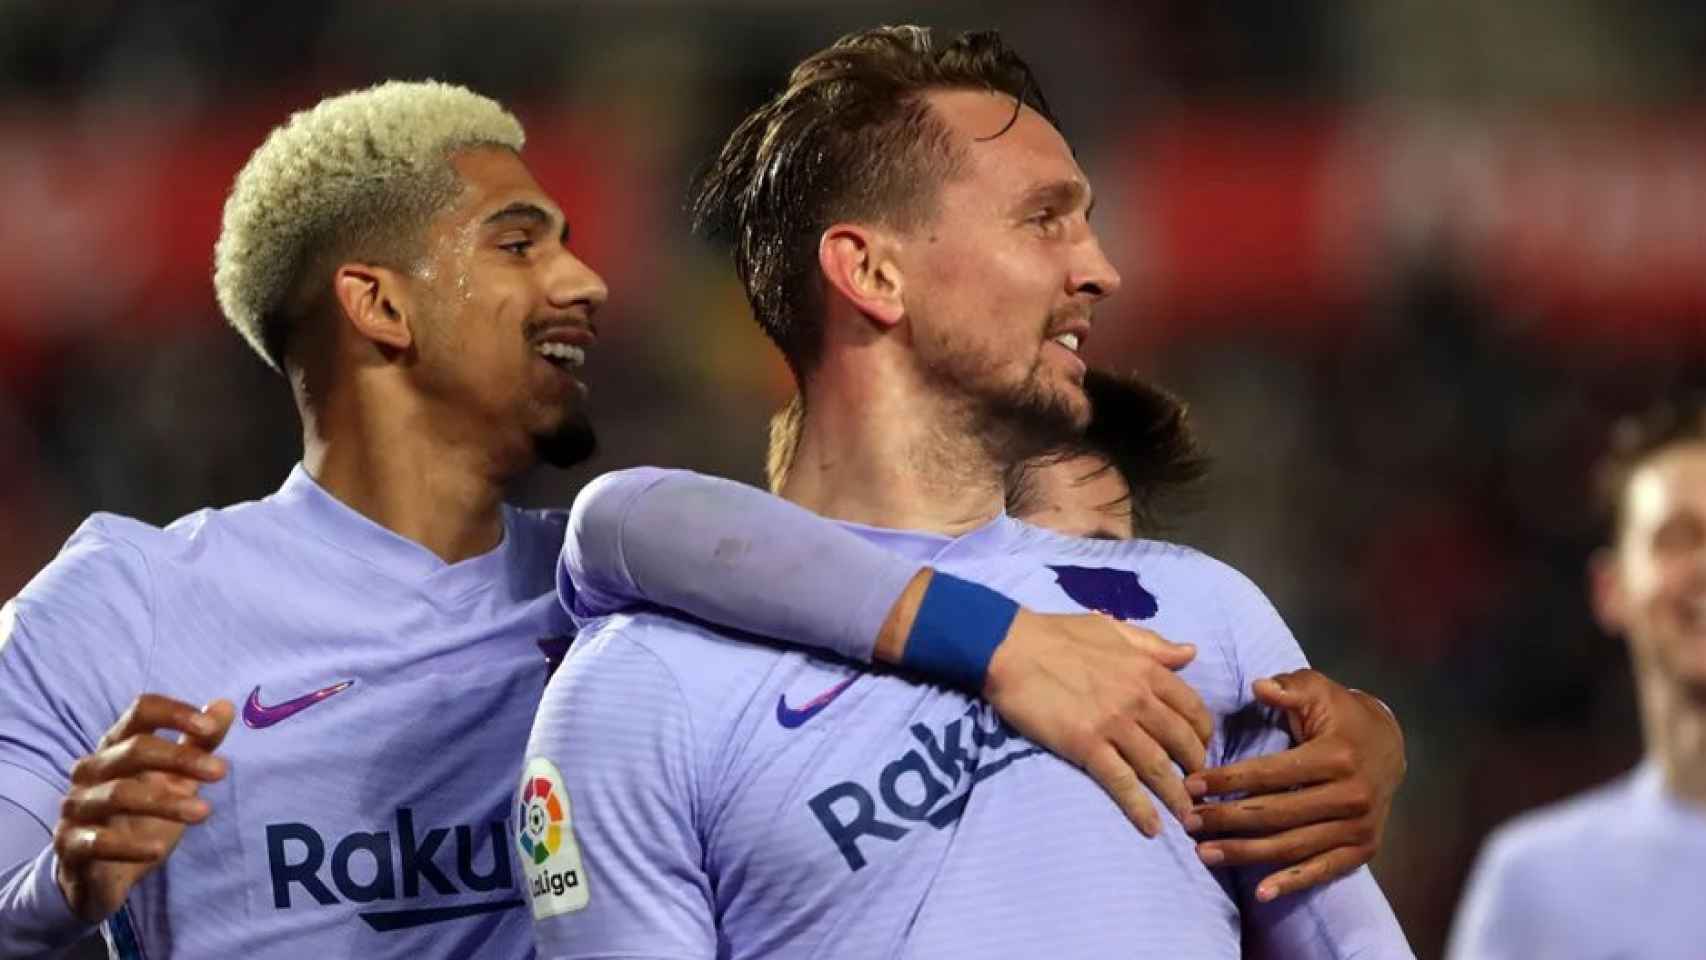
<point>131,799</point>
<point>1320,806</point>
<point>1103,694</point>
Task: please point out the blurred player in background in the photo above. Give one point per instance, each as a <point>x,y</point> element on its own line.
<point>912,231</point>
<point>1620,871</point>
<point>384,619</point>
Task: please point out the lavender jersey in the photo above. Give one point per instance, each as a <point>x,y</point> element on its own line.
<point>692,796</point>
<point>384,696</point>
<point>1617,872</point>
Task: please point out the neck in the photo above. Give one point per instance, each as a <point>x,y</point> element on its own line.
<point>1674,721</point>
<point>882,452</point>
<point>386,462</point>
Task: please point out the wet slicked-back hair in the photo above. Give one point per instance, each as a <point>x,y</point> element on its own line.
<point>1138,429</point>
<point>1673,420</point>
<point>851,138</point>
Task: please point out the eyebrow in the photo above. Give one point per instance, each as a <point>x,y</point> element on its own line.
<point>1062,194</point>
<point>529,213</point>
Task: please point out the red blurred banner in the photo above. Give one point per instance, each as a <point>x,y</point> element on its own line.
<point>1587,228</point>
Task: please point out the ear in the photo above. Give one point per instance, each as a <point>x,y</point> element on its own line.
<point>374,301</point>
<point>1605,591</point>
<point>859,264</point>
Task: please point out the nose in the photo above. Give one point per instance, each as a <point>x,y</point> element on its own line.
<point>1093,275</point>
<point>570,283</point>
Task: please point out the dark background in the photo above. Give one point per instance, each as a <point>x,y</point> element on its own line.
<point>1404,257</point>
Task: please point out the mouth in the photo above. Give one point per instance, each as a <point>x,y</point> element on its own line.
<point>1070,341</point>
<point>565,345</point>
<point>564,356</point>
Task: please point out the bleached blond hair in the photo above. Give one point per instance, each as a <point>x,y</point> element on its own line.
<point>357,176</point>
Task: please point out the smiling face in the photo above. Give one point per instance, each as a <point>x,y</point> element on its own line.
<point>1652,586</point>
<point>1001,282</point>
<point>505,317</point>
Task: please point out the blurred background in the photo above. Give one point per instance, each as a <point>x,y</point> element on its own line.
<point>1405,258</point>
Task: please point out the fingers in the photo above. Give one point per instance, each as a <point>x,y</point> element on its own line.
<point>1111,771</point>
<point>146,753</point>
<point>1154,768</point>
<point>1171,655</point>
<point>79,844</point>
<point>219,714</point>
<point>137,797</point>
<point>1185,702</point>
<point>1269,813</point>
<point>150,712</point>
<point>1291,846</point>
<point>1319,869</point>
<point>1317,761</point>
<point>1162,719</point>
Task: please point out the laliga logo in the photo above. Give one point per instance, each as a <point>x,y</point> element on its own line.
<point>541,820</point>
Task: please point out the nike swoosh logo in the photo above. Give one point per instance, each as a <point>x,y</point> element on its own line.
<point>792,717</point>
<point>258,716</point>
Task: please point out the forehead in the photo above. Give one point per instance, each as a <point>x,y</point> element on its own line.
<point>493,178</point>
<point>1672,479</point>
<point>1029,152</point>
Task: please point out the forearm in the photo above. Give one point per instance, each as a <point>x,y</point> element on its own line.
<point>1348,919</point>
<point>735,556</point>
<point>34,918</point>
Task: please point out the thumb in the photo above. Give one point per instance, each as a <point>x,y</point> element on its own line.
<point>1168,654</point>
<point>1278,691</point>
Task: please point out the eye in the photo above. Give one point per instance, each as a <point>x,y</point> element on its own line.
<point>1047,220</point>
<point>517,248</point>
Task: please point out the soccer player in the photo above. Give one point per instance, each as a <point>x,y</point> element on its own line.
<point>381,624</point>
<point>1619,870</point>
<point>1320,807</point>
<point>912,231</point>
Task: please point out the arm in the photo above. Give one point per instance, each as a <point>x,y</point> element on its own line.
<point>1348,917</point>
<point>1095,691</point>
<point>35,920</point>
<point>1322,805</point>
<point>624,875</point>
<point>93,789</point>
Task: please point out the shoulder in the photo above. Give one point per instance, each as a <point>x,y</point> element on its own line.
<point>703,663</point>
<point>1158,563</point>
<point>1539,841</point>
<point>106,553</point>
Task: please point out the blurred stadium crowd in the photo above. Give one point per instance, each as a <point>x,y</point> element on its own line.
<point>1405,259</point>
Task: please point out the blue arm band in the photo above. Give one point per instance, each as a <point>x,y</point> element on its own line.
<point>958,627</point>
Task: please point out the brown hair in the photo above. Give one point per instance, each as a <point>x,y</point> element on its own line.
<point>1140,430</point>
<point>851,137</point>
<point>1637,438</point>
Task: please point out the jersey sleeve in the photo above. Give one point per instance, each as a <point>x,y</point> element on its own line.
<point>623,874</point>
<point>72,648</point>
<point>73,652</point>
<point>728,554</point>
<point>1349,918</point>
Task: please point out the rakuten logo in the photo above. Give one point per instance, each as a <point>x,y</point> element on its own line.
<point>390,866</point>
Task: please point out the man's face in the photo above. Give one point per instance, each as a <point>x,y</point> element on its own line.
<point>1652,587</point>
<point>1080,497</point>
<point>1000,284</point>
<point>505,317</point>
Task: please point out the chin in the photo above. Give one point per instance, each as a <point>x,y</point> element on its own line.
<point>569,444</point>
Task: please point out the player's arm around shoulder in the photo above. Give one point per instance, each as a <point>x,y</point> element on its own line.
<point>609,801</point>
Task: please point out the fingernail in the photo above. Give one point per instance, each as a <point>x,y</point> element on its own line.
<point>1264,894</point>
<point>1210,855</point>
<point>1193,823</point>
<point>204,724</point>
<point>193,807</point>
<point>210,766</point>
<point>1196,786</point>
